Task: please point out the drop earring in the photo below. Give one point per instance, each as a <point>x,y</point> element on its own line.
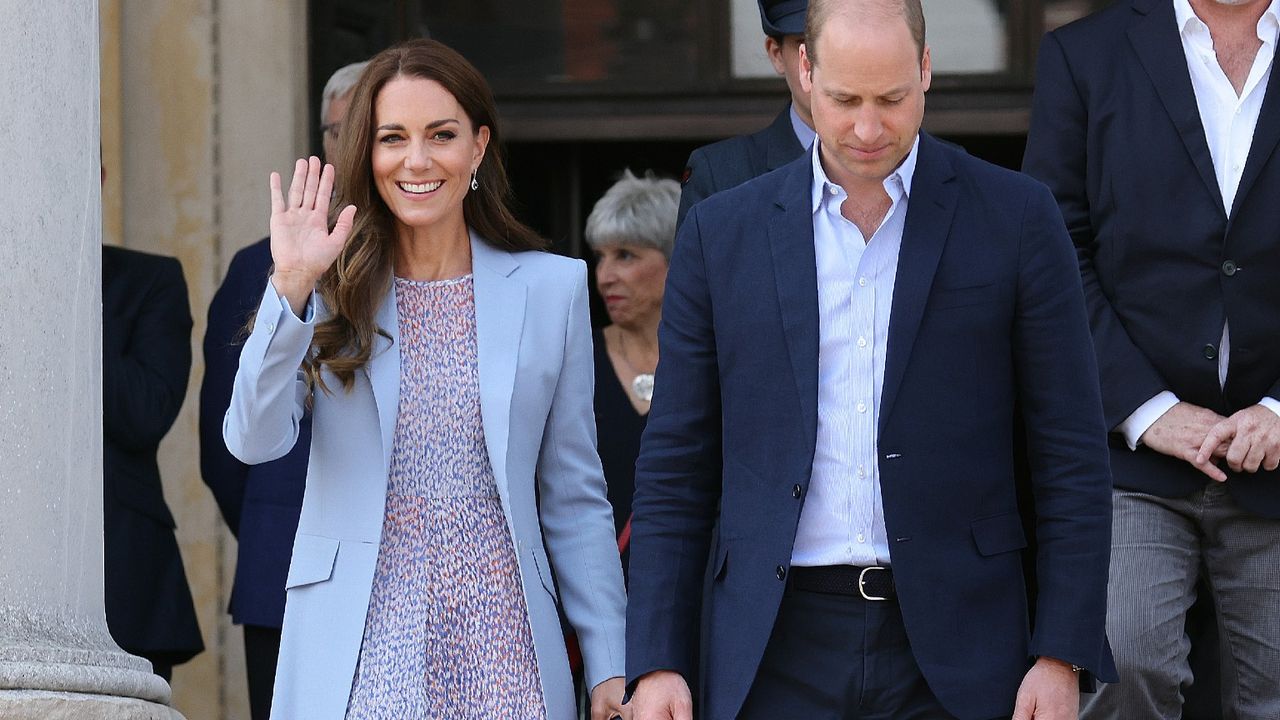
<point>475,185</point>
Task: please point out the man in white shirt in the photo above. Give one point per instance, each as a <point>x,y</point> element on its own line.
<point>1155,123</point>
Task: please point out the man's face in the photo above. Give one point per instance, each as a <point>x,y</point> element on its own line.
<point>785,56</point>
<point>332,122</point>
<point>867,97</point>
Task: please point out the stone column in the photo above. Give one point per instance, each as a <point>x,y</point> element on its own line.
<point>56,657</point>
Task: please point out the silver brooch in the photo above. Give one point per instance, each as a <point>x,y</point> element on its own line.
<point>642,386</point>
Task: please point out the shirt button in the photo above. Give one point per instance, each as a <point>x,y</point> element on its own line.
<point>861,538</point>
<point>862,342</point>
<point>781,572</point>
<point>1210,352</point>
<point>833,190</point>
<point>1229,268</point>
<point>271,327</point>
<point>862,407</point>
<point>796,491</point>
<point>862,282</point>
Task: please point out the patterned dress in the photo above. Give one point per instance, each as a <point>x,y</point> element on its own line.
<point>447,632</point>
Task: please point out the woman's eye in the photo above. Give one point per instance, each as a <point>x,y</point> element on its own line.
<point>388,139</point>
<point>444,135</point>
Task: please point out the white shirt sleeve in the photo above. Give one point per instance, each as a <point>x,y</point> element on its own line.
<point>1147,414</point>
<point>1271,404</point>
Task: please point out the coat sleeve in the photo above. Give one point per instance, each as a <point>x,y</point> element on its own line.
<point>678,474</point>
<point>268,397</point>
<point>574,510</point>
<point>698,185</point>
<point>1058,144</point>
<point>228,312</point>
<point>1067,446</point>
<point>147,361</point>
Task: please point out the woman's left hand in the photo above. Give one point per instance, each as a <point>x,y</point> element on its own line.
<point>606,700</point>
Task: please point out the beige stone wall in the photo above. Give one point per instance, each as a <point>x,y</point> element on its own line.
<point>201,99</point>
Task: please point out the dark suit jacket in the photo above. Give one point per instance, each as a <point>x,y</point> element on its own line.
<point>729,163</point>
<point>260,503</point>
<point>146,358</point>
<point>987,311</point>
<point>1116,135</point>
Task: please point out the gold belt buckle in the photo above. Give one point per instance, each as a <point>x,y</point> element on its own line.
<point>862,583</point>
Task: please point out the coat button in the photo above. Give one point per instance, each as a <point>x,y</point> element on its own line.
<point>782,573</point>
<point>796,492</point>
<point>1229,268</point>
<point>1210,352</point>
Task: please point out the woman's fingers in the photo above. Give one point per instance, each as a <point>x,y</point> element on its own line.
<point>313,184</point>
<point>298,183</point>
<point>325,190</point>
<point>277,200</point>
<point>342,228</point>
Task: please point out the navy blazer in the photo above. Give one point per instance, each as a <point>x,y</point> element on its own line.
<point>1117,136</point>
<point>733,161</point>
<point>146,361</point>
<point>987,311</point>
<point>260,503</point>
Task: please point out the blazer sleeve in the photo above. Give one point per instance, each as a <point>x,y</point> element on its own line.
<point>222,472</point>
<point>1058,144</point>
<point>268,397</point>
<point>147,360</point>
<point>1067,445</point>
<point>574,510</point>
<point>678,474</point>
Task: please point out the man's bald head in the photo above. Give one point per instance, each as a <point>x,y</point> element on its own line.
<point>863,11</point>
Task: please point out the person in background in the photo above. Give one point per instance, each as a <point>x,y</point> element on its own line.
<point>1155,124</point>
<point>454,497</point>
<point>259,503</point>
<point>630,230</point>
<point>731,162</point>
<point>146,358</point>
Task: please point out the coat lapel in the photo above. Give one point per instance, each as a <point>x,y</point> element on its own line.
<point>795,271</point>
<point>500,304</point>
<point>930,208</point>
<point>384,372</point>
<point>1158,43</point>
<point>1265,136</point>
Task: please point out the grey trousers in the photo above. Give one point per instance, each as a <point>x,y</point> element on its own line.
<point>1159,547</point>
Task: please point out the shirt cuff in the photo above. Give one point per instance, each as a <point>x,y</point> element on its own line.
<point>1271,404</point>
<point>1144,417</point>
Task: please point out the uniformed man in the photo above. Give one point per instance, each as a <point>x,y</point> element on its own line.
<point>731,162</point>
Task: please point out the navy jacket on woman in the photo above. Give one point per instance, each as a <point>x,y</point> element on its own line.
<point>1120,146</point>
<point>987,312</point>
<point>146,360</point>
<point>260,503</point>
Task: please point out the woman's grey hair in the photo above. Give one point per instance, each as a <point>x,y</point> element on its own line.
<point>340,83</point>
<point>636,211</point>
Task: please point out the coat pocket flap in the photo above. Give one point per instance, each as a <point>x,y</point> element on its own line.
<point>313,560</point>
<point>544,572</point>
<point>999,534</point>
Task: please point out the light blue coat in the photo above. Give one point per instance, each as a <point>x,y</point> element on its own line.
<point>536,379</point>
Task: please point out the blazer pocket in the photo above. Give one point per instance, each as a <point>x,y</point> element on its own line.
<point>313,560</point>
<point>998,534</point>
<point>544,573</point>
<point>963,296</point>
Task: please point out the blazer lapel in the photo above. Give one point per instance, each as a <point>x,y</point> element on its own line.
<point>930,207</point>
<point>1265,136</point>
<point>1158,43</point>
<point>795,271</point>
<point>384,372</point>
<point>500,304</point>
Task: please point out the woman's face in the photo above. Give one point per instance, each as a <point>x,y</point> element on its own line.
<point>424,150</point>
<point>631,278</point>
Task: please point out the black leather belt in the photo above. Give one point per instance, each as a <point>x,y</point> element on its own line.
<point>869,583</point>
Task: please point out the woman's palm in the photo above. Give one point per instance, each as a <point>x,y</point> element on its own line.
<point>302,245</point>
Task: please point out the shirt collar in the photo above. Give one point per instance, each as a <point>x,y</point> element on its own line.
<point>901,177</point>
<point>804,133</point>
<point>1268,24</point>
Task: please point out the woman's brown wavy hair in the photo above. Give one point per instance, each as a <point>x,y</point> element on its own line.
<point>358,281</point>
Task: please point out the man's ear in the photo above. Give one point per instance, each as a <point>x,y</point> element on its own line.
<point>926,69</point>
<point>773,49</point>
<point>806,69</point>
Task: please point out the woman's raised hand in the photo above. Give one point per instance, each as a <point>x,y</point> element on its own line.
<point>302,247</point>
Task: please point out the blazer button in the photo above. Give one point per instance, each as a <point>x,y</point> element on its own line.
<point>1229,268</point>
<point>782,573</point>
<point>1210,352</point>
<point>796,492</point>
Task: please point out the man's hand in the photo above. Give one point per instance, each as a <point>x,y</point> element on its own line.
<point>1254,437</point>
<point>1182,433</point>
<point>661,695</point>
<point>606,700</point>
<point>1050,691</point>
